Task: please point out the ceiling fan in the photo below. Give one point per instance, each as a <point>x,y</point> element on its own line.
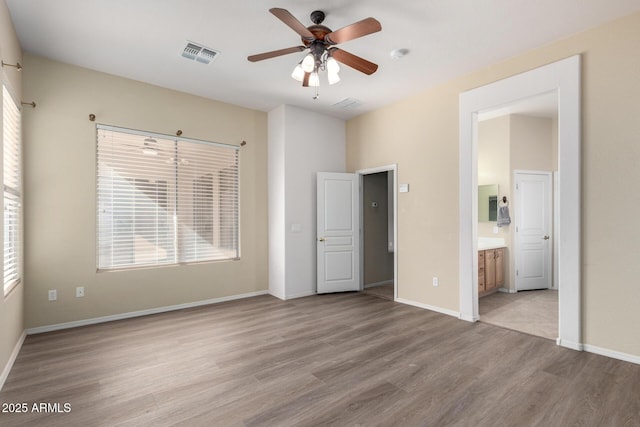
<point>321,42</point>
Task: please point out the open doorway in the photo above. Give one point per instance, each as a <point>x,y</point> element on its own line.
<point>378,237</point>
<point>517,159</point>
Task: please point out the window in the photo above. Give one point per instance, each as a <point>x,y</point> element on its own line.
<point>164,200</point>
<point>12,190</point>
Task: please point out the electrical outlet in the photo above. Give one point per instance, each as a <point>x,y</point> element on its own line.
<point>79,291</point>
<point>53,295</point>
<point>435,281</point>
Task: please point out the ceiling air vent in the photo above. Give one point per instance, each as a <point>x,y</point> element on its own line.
<point>198,53</point>
<point>348,104</point>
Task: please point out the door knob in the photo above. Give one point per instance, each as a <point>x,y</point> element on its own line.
<point>546,237</point>
<point>321,239</point>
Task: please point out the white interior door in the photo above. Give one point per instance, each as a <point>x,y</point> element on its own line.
<point>338,238</point>
<point>533,213</point>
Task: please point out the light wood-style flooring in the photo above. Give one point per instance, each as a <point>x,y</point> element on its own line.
<point>532,312</point>
<point>382,291</point>
<point>337,359</point>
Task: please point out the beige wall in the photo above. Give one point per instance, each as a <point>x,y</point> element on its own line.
<point>60,248</point>
<point>493,165</point>
<point>494,148</point>
<point>420,134</point>
<point>531,143</point>
<point>11,306</point>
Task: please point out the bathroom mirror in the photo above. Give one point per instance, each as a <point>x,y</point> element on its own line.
<point>488,203</point>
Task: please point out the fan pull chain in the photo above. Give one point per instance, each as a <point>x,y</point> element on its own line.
<point>317,94</point>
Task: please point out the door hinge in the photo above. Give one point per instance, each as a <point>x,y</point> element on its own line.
<point>517,187</point>
<point>517,273</point>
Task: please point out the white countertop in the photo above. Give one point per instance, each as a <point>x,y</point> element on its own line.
<point>485,243</point>
<point>488,247</point>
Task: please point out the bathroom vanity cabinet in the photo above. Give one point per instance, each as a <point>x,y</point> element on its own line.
<point>490,270</point>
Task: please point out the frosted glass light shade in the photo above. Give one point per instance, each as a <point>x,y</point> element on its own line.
<point>332,66</point>
<point>333,77</point>
<point>308,63</point>
<point>298,73</point>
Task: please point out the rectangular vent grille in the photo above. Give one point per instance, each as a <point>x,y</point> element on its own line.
<point>198,53</point>
<point>348,104</point>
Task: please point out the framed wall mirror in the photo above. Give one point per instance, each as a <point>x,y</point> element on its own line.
<point>488,203</point>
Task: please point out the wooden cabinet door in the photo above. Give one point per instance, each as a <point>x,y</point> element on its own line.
<point>481,282</point>
<point>489,269</point>
<point>499,267</point>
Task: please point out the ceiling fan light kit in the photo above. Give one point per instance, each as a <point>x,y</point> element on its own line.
<point>321,41</point>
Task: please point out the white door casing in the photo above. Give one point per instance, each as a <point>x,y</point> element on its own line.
<point>338,232</point>
<point>563,77</point>
<point>533,213</point>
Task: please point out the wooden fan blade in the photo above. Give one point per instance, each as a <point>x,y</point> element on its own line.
<point>353,61</point>
<point>305,80</point>
<point>274,53</point>
<point>353,31</point>
<point>285,16</point>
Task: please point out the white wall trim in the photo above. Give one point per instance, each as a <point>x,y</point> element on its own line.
<point>467,318</point>
<point>562,77</point>
<point>569,344</point>
<point>121,316</point>
<point>429,307</point>
<point>12,359</point>
<point>507,291</point>
<point>273,293</point>
<point>612,353</point>
<point>374,284</point>
<point>299,295</point>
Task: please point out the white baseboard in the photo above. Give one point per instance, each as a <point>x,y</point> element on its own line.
<point>374,284</point>
<point>12,359</point>
<point>468,318</point>
<point>277,295</point>
<point>612,353</point>
<point>429,307</point>
<point>507,291</point>
<point>85,322</point>
<point>294,296</point>
<point>569,344</point>
<point>299,295</point>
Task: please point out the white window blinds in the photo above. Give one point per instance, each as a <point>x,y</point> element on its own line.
<point>12,190</point>
<point>164,200</point>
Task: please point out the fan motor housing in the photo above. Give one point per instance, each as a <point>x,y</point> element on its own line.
<point>318,31</point>
<point>317,16</point>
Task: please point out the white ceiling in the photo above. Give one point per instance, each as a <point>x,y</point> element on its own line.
<point>143,40</point>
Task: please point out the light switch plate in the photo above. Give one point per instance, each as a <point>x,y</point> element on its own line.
<point>403,188</point>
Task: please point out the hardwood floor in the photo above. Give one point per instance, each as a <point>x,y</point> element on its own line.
<point>337,359</point>
<point>382,291</point>
<point>532,312</point>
